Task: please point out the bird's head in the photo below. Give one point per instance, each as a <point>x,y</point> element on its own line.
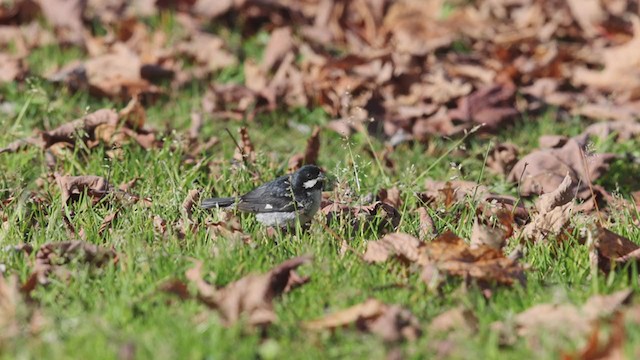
<point>308,178</point>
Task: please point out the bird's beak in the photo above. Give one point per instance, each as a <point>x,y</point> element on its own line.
<point>322,177</point>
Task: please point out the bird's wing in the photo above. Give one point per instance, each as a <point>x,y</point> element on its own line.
<point>275,196</point>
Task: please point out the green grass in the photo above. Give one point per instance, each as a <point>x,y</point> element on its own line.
<point>97,313</point>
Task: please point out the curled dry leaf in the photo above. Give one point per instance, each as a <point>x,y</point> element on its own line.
<point>611,250</point>
<point>311,152</point>
<point>245,151</point>
<point>543,170</point>
<point>250,298</point>
<point>391,196</point>
<point>193,198</point>
<point>502,158</point>
<point>491,227</point>
<point>449,254</point>
<point>384,216</point>
<point>52,256</point>
<point>85,127</point>
<point>554,212</point>
<point>563,321</point>
<point>613,349</point>
<point>492,106</point>
<point>17,317</point>
<point>390,322</point>
<point>427,227</point>
<point>457,319</point>
<point>107,221</point>
<point>71,187</point>
<point>403,246</point>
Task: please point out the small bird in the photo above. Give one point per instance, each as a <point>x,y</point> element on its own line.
<point>280,202</point>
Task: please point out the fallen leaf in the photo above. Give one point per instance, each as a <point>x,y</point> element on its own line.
<point>403,246</point>
<point>280,43</point>
<point>250,298</point>
<point>427,227</point>
<point>391,196</point>
<point>107,221</point>
<point>613,349</point>
<point>491,106</point>
<point>245,151</point>
<point>542,171</point>
<point>491,228</point>
<point>66,17</point>
<point>611,249</point>
<point>71,187</point>
<point>450,255</point>
<point>565,321</point>
<point>502,158</point>
<point>83,128</point>
<point>53,256</point>
<point>253,295</point>
<point>391,322</point>
<point>554,212</point>
<point>193,198</point>
<point>379,216</point>
<point>457,319</point>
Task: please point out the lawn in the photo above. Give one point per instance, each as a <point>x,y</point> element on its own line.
<point>71,306</point>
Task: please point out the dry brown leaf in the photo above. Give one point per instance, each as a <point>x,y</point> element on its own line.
<point>192,199</point>
<point>403,246</point>
<point>16,316</point>
<point>280,43</point>
<point>502,158</point>
<point>613,349</point>
<point>84,127</point>
<point>554,212</point>
<point>390,322</point>
<point>542,171</point>
<point>51,257</point>
<point>564,321</point>
<point>387,217</point>
<point>252,295</point>
<point>391,196</point>
<point>611,249</point>
<point>12,68</point>
<point>107,221</point>
<point>207,50</point>
<point>457,319</point>
<point>491,228</point>
<point>449,254</point>
<point>246,152</point>
<point>66,17</point>
<point>249,298</point>
<point>71,187</point>
<point>620,74</point>
<point>492,106</point>
<point>427,227</point>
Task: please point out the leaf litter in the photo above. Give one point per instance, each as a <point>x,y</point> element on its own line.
<point>398,77</point>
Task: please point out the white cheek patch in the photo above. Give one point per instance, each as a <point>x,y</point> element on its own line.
<point>310,183</point>
<point>268,207</point>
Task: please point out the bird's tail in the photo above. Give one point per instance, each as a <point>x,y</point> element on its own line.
<point>217,202</point>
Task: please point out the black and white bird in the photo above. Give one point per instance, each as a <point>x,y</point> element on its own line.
<point>280,202</point>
